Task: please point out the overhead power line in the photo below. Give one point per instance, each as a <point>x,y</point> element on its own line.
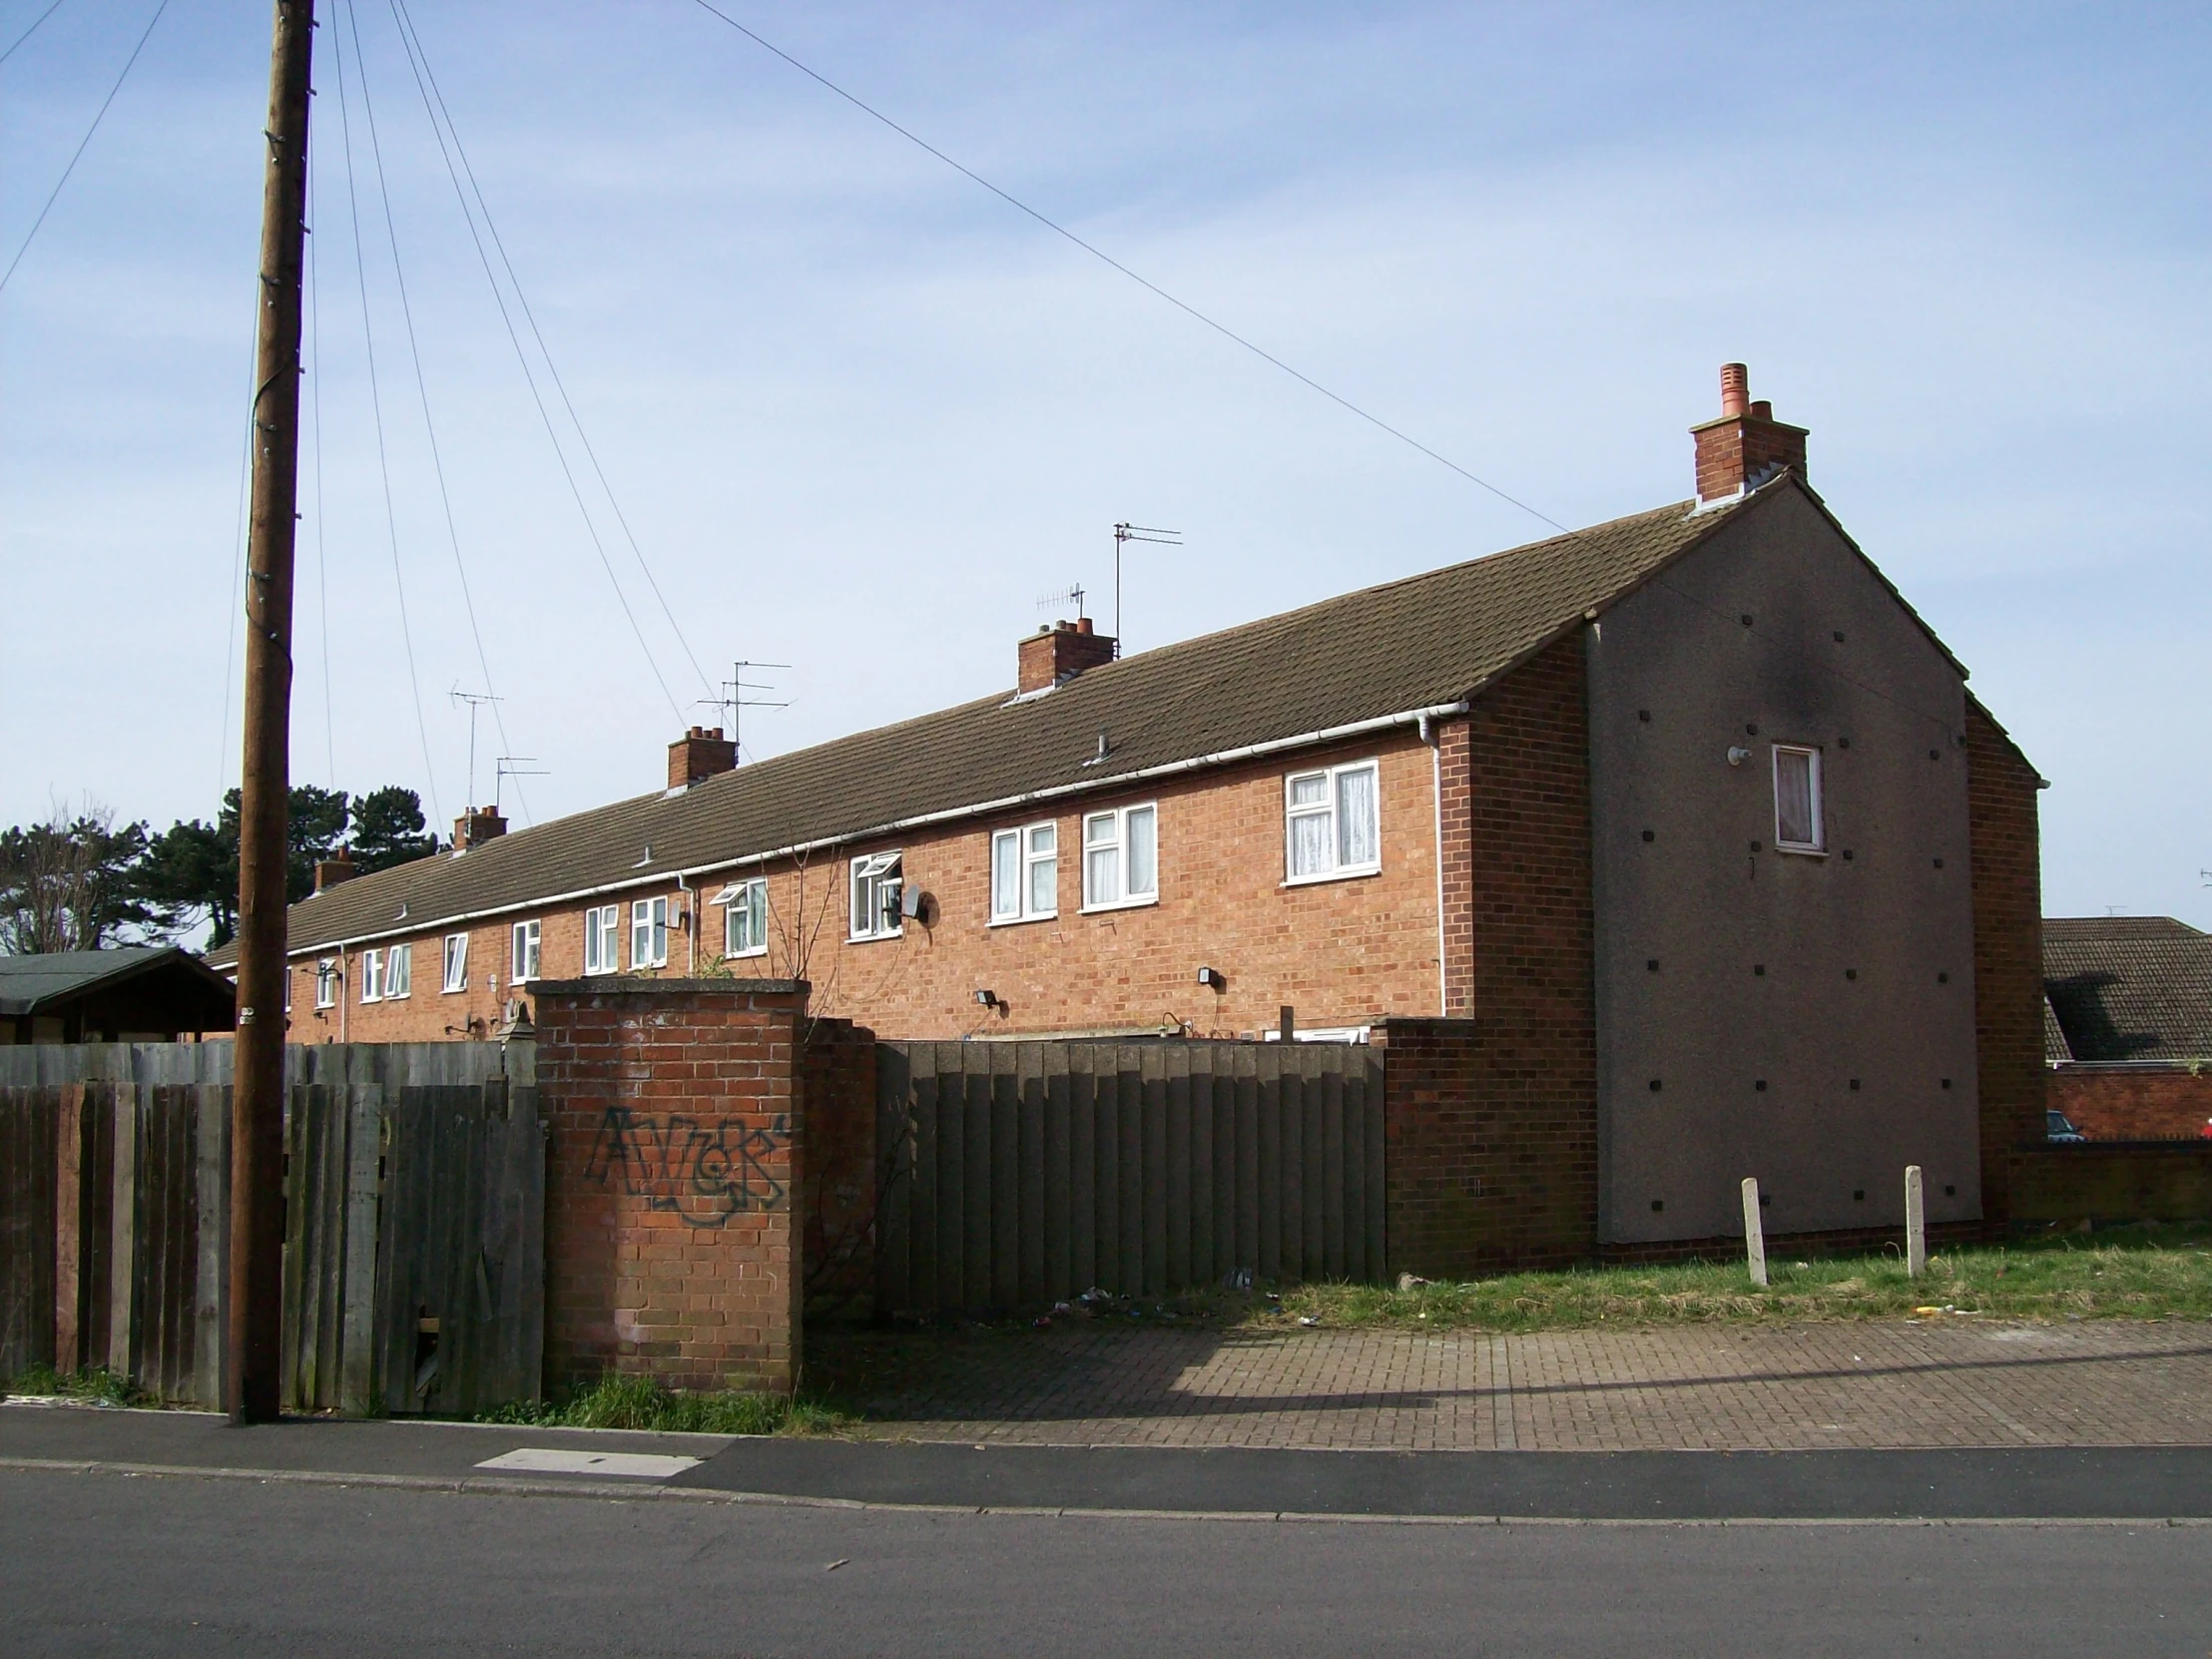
<point>1105,258</point>
<point>89,131</point>
<point>422,384</point>
<point>32,30</point>
<point>473,204</point>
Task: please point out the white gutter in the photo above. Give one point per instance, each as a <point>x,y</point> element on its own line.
<point>982,809</point>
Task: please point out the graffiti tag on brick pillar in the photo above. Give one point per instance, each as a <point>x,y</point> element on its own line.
<point>704,1170</point>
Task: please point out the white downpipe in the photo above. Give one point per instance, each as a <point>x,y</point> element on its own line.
<point>1435,739</point>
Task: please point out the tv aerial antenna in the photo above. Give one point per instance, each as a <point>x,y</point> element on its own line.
<point>736,702</point>
<point>477,700</point>
<point>513,766</point>
<point>1123,535</point>
<point>1068,598</point>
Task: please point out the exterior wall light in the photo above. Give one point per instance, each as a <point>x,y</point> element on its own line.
<point>988,999</point>
<point>1213,979</point>
<point>1738,755</point>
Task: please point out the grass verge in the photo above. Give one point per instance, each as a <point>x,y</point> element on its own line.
<point>2141,1274</point>
<point>616,1402</point>
<point>96,1384</point>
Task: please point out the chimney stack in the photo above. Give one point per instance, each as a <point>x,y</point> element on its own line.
<point>1055,655</point>
<point>699,754</point>
<point>477,825</point>
<point>1746,446</point>
<point>329,873</point>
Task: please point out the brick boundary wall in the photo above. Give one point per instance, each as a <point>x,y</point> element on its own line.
<point>2005,861</point>
<point>673,1180</point>
<point>2134,1105</point>
<point>1491,1120</point>
<point>842,1188</point>
<point>1843,1241</point>
<point>2114,1183</point>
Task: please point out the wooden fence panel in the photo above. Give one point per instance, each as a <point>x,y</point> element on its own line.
<point>425,1159</point>
<point>1020,1174</point>
<point>28,1180</point>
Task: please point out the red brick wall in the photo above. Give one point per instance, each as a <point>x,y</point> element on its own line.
<point>2134,1105</point>
<point>1491,1119</point>
<point>1342,952</point>
<point>2005,850</point>
<point>836,1085</point>
<point>673,1181</point>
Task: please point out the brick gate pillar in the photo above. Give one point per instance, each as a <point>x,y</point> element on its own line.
<point>671,1225</point>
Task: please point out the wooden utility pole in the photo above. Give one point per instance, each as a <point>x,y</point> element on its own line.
<point>252,1372</point>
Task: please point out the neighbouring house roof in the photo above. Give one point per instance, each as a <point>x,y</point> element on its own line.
<point>2129,988</point>
<point>41,983</point>
<point>1378,655</point>
<point>2055,1049</point>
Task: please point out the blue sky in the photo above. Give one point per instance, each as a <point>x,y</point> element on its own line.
<point>860,414</point>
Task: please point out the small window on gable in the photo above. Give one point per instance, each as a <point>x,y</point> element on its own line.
<point>744,917</point>
<point>1121,858</point>
<point>372,977</point>
<point>877,881</point>
<point>525,952</point>
<point>1330,822</point>
<point>1797,826</point>
<point>603,939</point>
<point>648,932</point>
<point>1025,873</point>
<point>326,984</point>
<point>457,962</point>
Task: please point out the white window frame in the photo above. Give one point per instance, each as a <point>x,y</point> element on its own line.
<point>457,963</point>
<point>1020,848</point>
<point>526,959</point>
<point>399,972</point>
<point>1818,845</point>
<point>648,924</point>
<point>879,874</point>
<point>743,899</point>
<point>1119,845</point>
<point>372,977</point>
<point>603,939</point>
<point>1330,810</point>
<point>329,984</point>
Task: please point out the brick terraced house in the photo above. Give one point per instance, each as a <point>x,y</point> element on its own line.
<point>1689,814</point>
<point>2128,1026</point>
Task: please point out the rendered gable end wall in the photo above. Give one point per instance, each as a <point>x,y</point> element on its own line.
<point>1741,992</point>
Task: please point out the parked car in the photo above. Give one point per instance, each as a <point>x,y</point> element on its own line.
<point>2058,1127</point>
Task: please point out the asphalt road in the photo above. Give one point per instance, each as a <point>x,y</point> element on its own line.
<point>93,1563</point>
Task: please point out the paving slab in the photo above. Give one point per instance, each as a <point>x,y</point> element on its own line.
<point>1956,1382</point>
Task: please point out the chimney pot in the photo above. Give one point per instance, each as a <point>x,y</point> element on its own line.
<point>1761,410</point>
<point>1735,389</point>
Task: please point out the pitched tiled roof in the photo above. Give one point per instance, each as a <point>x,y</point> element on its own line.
<point>29,984</point>
<point>2130,988</point>
<point>1424,642</point>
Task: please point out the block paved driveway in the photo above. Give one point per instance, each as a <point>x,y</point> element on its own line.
<point>1957,1383</point>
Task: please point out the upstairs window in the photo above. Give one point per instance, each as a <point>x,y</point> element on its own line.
<point>877,881</point>
<point>372,977</point>
<point>744,918</point>
<point>399,970</point>
<point>1121,858</point>
<point>326,982</point>
<point>648,932</point>
<point>457,962</point>
<point>1797,826</point>
<point>1025,873</point>
<point>603,939</point>
<point>525,962</point>
<point>1330,822</point>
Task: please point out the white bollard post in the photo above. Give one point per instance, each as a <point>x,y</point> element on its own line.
<point>1916,1224</point>
<point>1754,1236</point>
